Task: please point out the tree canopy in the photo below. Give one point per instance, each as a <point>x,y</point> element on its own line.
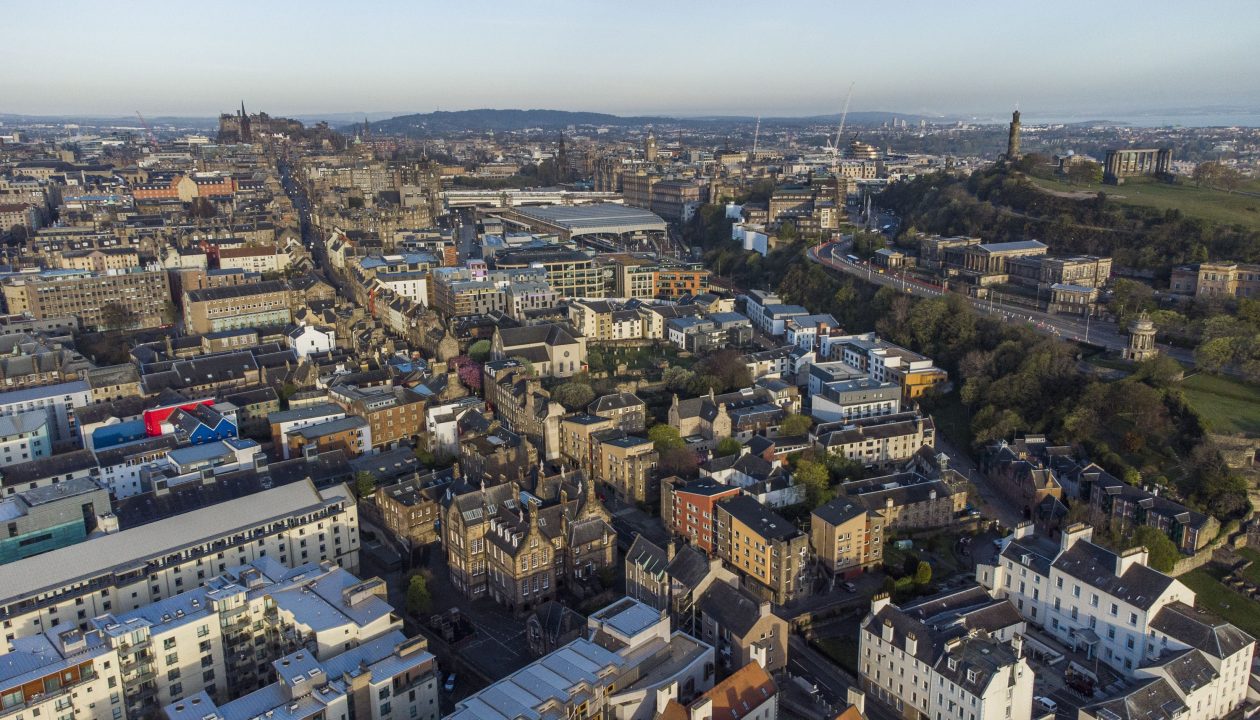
<point>479,351</point>
<point>419,599</point>
<point>573,395</point>
<point>728,446</point>
<point>665,437</point>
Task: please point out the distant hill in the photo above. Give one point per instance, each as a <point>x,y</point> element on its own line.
<point>501,120</point>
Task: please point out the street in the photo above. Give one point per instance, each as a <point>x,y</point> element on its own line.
<point>1097,332</point>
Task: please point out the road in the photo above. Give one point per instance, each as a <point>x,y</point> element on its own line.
<point>990,504</point>
<point>465,226</point>
<point>805,662</point>
<point>1102,333</point>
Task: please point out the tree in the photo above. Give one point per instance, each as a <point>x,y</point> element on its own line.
<point>480,351</point>
<point>817,482</point>
<point>865,244</point>
<point>677,379</point>
<point>364,484</point>
<point>1206,173</point>
<point>726,369</point>
<point>573,395</point>
<point>1085,173</point>
<point>419,599</point>
<point>469,372</point>
<point>1128,298</point>
<point>665,437</point>
<point>116,316</point>
<point>795,424</point>
<point>728,446</point>
<point>680,461</point>
<point>1163,553</point>
<point>526,365</point>
<point>787,231</point>
<point>923,574</point>
<point>598,361</point>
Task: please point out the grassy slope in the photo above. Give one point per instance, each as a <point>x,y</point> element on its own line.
<point>1216,598</point>
<point>1215,205</point>
<point>1227,406</point>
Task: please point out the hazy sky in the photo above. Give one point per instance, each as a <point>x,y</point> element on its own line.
<point>628,56</point>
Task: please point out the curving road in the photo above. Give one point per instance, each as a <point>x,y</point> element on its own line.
<point>1097,332</point>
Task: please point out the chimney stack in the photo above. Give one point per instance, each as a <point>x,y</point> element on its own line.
<point>857,699</point>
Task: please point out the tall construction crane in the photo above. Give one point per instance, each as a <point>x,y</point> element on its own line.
<point>756,135</point>
<point>844,115</point>
<point>148,131</point>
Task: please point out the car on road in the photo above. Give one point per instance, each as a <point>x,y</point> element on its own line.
<point>1047,703</point>
<point>849,587</point>
<point>450,683</point>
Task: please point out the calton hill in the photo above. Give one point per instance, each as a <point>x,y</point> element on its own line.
<point>1150,424</point>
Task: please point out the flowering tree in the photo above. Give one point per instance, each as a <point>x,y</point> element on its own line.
<point>469,372</point>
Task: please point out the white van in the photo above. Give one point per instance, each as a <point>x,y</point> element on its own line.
<point>1047,703</point>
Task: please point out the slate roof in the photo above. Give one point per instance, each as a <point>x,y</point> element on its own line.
<point>734,609</point>
<point>614,401</point>
<point>839,511</point>
<point>759,518</point>
<point>1154,699</point>
<point>1139,586</point>
<point>1200,629</point>
<point>549,334</point>
<point>1188,670</point>
<point>646,554</point>
<point>689,567</point>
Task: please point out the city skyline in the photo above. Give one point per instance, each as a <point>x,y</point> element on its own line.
<point>319,59</point>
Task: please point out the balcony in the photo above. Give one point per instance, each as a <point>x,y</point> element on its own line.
<point>145,674</point>
<point>127,648</point>
<point>231,613</point>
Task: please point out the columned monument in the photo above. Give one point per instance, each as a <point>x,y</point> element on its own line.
<point>1120,164</point>
<point>1141,339</point>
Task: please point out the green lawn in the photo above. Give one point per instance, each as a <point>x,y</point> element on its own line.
<point>843,650</point>
<point>1215,205</point>
<point>1252,573</point>
<point>1227,406</point>
<point>1216,598</point>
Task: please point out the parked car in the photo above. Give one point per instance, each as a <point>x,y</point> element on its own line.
<point>850,587</point>
<point>450,683</point>
<point>1047,703</point>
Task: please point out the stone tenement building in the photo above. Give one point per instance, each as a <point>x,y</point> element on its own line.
<point>520,547</point>
<point>1121,164</point>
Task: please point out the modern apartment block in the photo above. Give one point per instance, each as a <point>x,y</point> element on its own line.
<point>628,665</point>
<point>57,402</point>
<point>846,537</point>
<point>389,677</point>
<point>121,571</point>
<point>90,296</point>
<point>770,552</point>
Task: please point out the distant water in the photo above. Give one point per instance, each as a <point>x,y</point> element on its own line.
<point>1205,119</point>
